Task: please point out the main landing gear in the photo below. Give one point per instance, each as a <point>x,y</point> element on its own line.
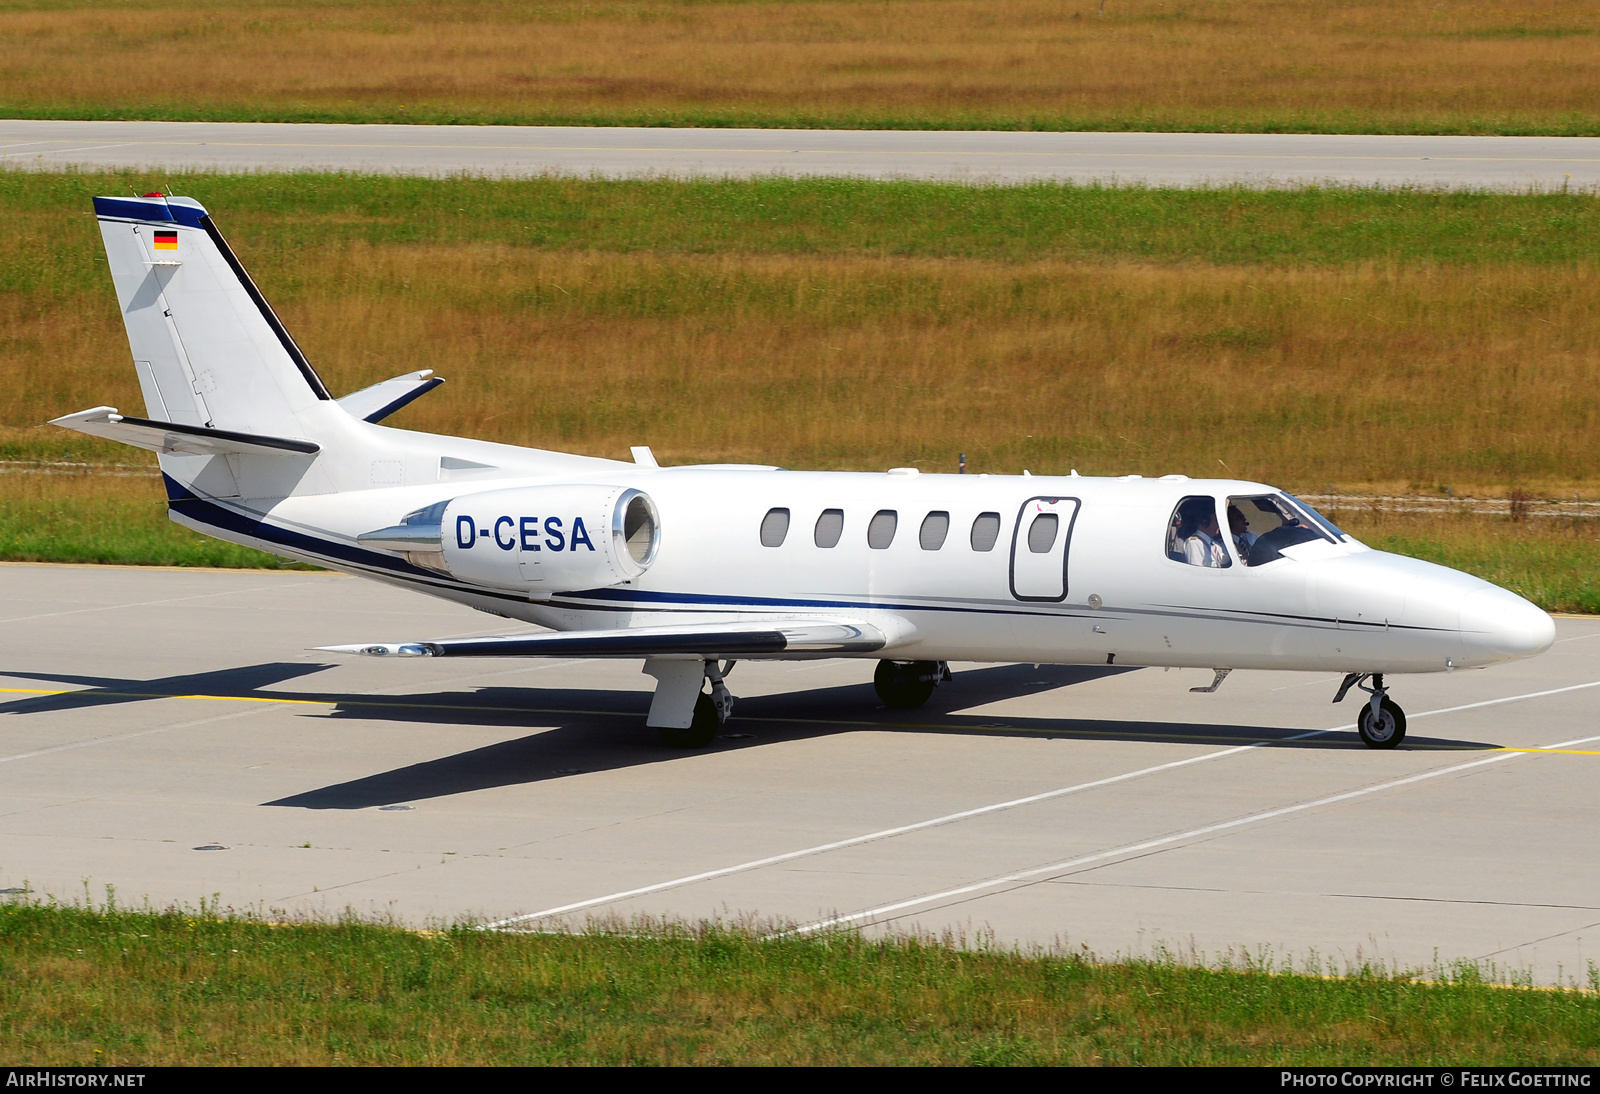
<point>683,714</point>
<point>1381,723</point>
<point>687,717</point>
<point>906,685</point>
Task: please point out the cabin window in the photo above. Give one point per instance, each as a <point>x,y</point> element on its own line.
<point>1042,533</point>
<point>880,532</point>
<point>830,526</point>
<point>774,527</point>
<point>1195,537</point>
<point>985,531</point>
<point>935,527</point>
<point>1263,525</point>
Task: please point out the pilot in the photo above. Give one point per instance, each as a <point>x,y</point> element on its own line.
<point>1239,527</point>
<point>1175,538</point>
<point>1202,539</point>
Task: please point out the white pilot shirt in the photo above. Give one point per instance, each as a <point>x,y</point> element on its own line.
<point>1202,550</point>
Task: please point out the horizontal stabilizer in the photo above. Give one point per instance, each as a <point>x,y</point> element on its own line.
<point>708,640</point>
<point>191,440</point>
<point>375,403</point>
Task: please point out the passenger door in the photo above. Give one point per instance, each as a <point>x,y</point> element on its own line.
<point>1039,544</point>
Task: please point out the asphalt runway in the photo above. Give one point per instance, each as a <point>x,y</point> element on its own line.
<point>148,715</point>
<point>1153,159</point>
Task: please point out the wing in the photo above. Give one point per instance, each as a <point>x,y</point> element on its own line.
<point>768,638</point>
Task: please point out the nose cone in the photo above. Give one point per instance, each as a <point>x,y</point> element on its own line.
<point>1497,625</point>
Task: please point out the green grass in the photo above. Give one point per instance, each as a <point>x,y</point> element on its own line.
<point>1228,226</point>
<point>144,988</point>
<point>102,518</point>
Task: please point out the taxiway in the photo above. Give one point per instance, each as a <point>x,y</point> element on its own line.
<point>167,735</point>
<point>1148,159</point>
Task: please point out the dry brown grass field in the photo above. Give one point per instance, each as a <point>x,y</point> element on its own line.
<point>1403,376</point>
<point>1517,66</point>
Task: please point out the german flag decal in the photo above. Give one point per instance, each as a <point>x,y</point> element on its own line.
<point>166,241</point>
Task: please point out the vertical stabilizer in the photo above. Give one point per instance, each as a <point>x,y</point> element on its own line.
<point>209,350</point>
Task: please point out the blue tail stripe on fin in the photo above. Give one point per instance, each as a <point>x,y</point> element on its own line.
<point>137,209</point>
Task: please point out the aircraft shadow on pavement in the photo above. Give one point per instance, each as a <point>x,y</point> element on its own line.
<point>245,681</point>
<point>584,730</point>
<point>593,731</point>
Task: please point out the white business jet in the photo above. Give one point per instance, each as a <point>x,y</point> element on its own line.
<point>692,568</point>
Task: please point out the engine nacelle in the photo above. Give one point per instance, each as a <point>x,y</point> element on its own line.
<point>551,538</point>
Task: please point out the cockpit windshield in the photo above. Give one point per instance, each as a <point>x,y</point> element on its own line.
<point>1327,525</point>
<point>1262,525</point>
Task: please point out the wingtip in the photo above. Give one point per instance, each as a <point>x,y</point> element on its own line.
<point>93,414</point>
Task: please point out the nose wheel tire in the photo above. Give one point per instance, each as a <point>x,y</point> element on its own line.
<point>905,685</point>
<point>1385,731</point>
<point>700,732</point>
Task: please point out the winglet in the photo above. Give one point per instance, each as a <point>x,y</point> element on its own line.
<point>375,403</point>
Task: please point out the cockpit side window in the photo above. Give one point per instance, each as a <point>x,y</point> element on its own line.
<point>1262,526</point>
<point>1194,536</point>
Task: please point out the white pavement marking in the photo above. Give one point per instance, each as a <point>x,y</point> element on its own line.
<point>887,833</point>
<point>1501,702</point>
<point>1166,841</point>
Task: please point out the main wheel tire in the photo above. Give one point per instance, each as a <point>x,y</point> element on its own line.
<point>1387,730</point>
<point>905,685</point>
<point>701,731</point>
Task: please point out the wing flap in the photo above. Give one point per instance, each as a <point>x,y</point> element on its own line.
<point>190,440</point>
<point>707,640</point>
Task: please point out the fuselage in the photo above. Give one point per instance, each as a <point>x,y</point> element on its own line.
<point>942,564</point>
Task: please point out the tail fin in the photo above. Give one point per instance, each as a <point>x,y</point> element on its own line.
<point>209,350</point>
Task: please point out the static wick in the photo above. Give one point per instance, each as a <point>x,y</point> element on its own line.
<point>963,470</point>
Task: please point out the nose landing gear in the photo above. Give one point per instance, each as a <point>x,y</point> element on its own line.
<point>1381,723</point>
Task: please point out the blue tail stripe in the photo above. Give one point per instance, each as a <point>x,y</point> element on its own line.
<point>135,209</point>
